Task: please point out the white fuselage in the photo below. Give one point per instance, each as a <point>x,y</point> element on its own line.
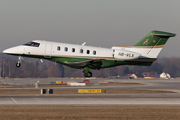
<point>47,49</point>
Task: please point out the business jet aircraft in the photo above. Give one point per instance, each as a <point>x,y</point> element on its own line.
<point>143,53</point>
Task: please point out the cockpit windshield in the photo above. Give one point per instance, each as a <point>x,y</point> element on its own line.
<point>33,44</point>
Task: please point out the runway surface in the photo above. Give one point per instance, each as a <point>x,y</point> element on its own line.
<point>98,99</point>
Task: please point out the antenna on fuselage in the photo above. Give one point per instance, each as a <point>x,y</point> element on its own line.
<point>84,43</point>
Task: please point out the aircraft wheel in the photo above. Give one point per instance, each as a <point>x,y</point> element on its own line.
<point>89,74</point>
<point>18,65</point>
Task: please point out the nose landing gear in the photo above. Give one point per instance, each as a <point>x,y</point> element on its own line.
<point>18,64</point>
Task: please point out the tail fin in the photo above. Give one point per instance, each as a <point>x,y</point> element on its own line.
<point>155,38</point>
<point>154,41</point>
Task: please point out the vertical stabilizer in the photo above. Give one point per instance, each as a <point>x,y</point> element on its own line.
<point>154,41</point>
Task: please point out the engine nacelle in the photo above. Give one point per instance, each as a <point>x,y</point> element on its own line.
<point>125,55</point>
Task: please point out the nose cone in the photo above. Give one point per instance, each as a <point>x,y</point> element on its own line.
<point>14,50</point>
<point>7,51</point>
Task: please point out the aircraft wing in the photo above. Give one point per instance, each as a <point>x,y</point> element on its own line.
<point>93,64</point>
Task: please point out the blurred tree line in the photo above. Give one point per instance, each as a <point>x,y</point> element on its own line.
<point>34,68</point>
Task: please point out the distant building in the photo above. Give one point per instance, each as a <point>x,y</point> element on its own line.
<point>139,76</point>
<point>131,76</point>
<point>165,75</point>
<point>150,74</point>
<point>146,74</point>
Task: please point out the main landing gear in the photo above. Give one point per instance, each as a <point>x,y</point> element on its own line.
<point>87,73</point>
<point>18,64</point>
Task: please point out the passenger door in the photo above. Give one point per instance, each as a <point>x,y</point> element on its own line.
<point>48,50</point>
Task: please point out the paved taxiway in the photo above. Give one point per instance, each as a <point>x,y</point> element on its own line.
<point>60,100</point>
<point>99,99</point>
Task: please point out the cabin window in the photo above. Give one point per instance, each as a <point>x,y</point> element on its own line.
<point>58,48</point>
<point>88,51</point>
<point>33,44</point>
<point>94,52</point>
<point>66,49</point>
<point>81,50</point>
<point>73,49</point>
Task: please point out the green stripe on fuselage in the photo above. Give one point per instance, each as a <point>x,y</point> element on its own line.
<point>107,62</point>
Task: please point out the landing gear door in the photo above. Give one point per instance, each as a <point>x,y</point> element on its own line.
<point>48,50</point>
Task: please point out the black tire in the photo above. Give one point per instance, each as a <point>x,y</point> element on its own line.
<point>18,65</point>
<point>89,74</point>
